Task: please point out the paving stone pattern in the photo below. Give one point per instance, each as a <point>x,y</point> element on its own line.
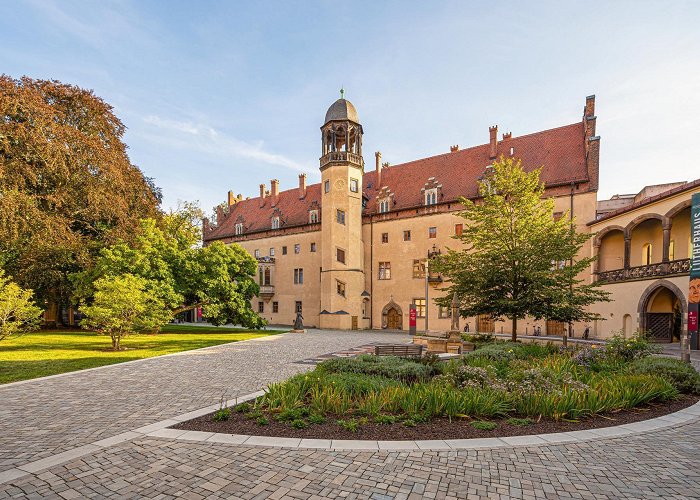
<point>662,464</point>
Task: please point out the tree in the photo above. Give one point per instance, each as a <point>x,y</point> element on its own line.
<point>517,259</point>
<point>67,186</point>
<point>218,278</point>
<point>18,313</point>
<point>124,305</point>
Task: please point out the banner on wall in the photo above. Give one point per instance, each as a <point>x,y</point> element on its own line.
<point>694,286</point>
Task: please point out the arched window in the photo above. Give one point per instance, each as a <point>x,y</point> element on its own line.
<point>275,223</point>
<point>384,205</point>
<point>430,197</point>
<point>239,228</point>
<point>646,254</point>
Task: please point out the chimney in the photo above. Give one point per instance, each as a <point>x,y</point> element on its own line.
<point>302,185</point>
<point>219,215</point>
<point>493,141</point>
<point>378,168</point>
<point>454,149</point>
<point>507,135</point>
<point>231,199</point>
<point>274,188</point>
<point>589,116</point>
<point>205,225</point>
<point>262,195</point>
<point>589,110</point>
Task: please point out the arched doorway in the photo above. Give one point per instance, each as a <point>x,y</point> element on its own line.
<point>662,308</point>
<point>392,316</point>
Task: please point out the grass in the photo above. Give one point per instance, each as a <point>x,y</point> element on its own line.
<point>49,352</point>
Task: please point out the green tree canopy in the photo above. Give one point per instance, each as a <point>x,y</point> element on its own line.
<point>517,259</point>
<point>67,186</point>
<point>18,313</point>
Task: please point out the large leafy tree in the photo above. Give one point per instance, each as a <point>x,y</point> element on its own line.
<point>18,313</point>
<point>67,186</point>
<point>180,272</point>
<point>517,260</point>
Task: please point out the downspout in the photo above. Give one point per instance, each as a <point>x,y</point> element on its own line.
<point>371,271</point>
<point>571,260</point>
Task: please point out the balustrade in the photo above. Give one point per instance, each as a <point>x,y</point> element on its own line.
<point>649,271</point>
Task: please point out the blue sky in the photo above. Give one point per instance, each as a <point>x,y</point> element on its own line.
<point>226,95</point>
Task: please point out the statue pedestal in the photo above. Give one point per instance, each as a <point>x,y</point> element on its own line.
<point>298,331</point>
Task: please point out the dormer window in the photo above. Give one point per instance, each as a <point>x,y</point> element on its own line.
<point>238,229</point>
<point>275,223</point>
<point>313,216</point>
<point>384,206</point>
<point>430,197</point>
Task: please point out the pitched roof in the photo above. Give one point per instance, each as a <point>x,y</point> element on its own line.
<point>560,151</point>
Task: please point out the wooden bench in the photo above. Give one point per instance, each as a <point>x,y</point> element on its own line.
<point>401,351</point>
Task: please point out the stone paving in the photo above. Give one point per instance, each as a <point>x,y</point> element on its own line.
<point>42,417</point>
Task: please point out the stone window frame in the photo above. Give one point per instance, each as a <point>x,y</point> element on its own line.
<point>313,246</point>
<point>275,223</point>
<point>275,307</point>
<point>238,228</point>
<point>261,307</point>
<point>419,269</point>
<point>419,302</point>
<point>313,216</point>
<point>430,197</point>
<point>385,237</point>
<point>354,185</point>
<point>327,186</point>
<point>407,235</point>
<point>340,288</point>
<point>256,252</point>
<point>298,275</point>
<point>432,232</point>
<point>297,248</point>
<point>340,252</point>
<point>384,270</point>
<point>340,216</point>
<point>284,250</point>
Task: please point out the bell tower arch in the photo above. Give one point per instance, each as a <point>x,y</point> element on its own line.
<point>342,252</point>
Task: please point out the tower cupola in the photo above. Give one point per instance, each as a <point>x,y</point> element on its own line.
<point>341,134</point>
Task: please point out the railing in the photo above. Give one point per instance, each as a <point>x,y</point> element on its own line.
<point>267,290</point>
<point>342,156</point>
<point>673,267</point>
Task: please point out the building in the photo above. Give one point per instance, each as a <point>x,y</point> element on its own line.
<point>350,252</point>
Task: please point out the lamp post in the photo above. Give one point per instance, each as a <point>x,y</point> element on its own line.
<point>425,309</point>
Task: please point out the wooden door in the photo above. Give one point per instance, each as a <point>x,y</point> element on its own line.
<point>354,323</point>
<point>555,327</point>
<point>393,319</point>
<point>485,324</point>
<point>660,326</point>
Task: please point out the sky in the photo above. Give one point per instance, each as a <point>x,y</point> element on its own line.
<point>225,95</point>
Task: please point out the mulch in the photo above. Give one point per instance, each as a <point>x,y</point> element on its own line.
<point>436,429</point>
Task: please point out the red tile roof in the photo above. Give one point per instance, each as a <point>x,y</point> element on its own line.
<point>560,151</point>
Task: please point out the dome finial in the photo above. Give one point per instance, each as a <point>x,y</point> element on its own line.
<point>342,92</point>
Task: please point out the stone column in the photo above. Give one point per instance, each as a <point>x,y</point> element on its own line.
<point>628,246</point>
<point>667,242</point>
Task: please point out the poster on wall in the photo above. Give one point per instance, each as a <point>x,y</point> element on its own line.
<point>694,286</point>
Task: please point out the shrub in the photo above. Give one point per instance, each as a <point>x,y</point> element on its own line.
<point>299,424</point>
<point>316,418</point>
<point>681,375</point>
<point>635,347</point>
<point>385,366</point>
<point>350,425</point>
<point>409,422</point>
<point>506,351</point>
<point>221,414</point>
<point>385,419</point>
<point>242,408</point>
<point>262,421</point>
<point>519,421</point>
<point>479,338</point>
<point>483,425</point>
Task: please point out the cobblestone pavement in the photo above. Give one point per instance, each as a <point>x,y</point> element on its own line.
<point>662,464</point>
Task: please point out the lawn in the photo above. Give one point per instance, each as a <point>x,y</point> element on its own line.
<point>49,352</point>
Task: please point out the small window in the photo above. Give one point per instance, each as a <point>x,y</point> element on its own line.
<point>340,216</point>
<point>430,197</point>
<point>458,229</point>
<point>275,223</point>
<point>327,186</point>
<point>257,253</point>
<point>275,307</point>
<point>261,307</point>
<point>385,237</point>
<point>340,288</point>
<point>432,232</point>
<point>299,276</point>
<point>444,312</point>
<point>313,216</point>
<point>340,255</point>
<point>385,270</point>
<point>384,206</point>
<point>313,247</point>
<point>265,276</point>
<point>512,150</point>
<point>272,252</point>
<point>420,307</point>
<point>284,250</point>
<point>407,235</point>
<point>239,228</point>
<point>297,248</point>
<point>354,185</point>
<point>418,268</point>
<point>297,306</point>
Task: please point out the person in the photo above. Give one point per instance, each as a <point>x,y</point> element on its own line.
<point>466,328</point>
<point>586,332</point>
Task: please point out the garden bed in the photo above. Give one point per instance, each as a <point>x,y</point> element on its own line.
<point>500,389</point>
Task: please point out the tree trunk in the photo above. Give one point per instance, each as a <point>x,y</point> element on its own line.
<point>115,343</point>
<point>514,335</point>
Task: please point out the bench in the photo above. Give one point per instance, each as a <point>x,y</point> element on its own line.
<point>401,351</point>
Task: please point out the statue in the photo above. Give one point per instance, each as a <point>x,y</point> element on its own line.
<point>299,323</point>
<point>455,314</point>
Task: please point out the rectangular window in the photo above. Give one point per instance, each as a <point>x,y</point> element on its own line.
<point>385,237</point>
<point>275,307</point>
<point>444,312</point>
<point>297,306</point>
<point>257,253</point>
<point>418,268</point>
<point>340,288</point>
<point>432,232</point>
<point>354,185</point>
<point>313,247</point>
<point>299,276</point>
<point>261,307</point>
<point>275,223</point>
<point>284,250</point>
<point>340,216</point>
<point>420,307</point>
<point>458,229</point>
<point>297,248</point>
<point>340,255</point>
<point>313,216</point>
<point>385,270</point>
<point>327,187</point>
<point>407,235</point>
<point>272,252</point>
